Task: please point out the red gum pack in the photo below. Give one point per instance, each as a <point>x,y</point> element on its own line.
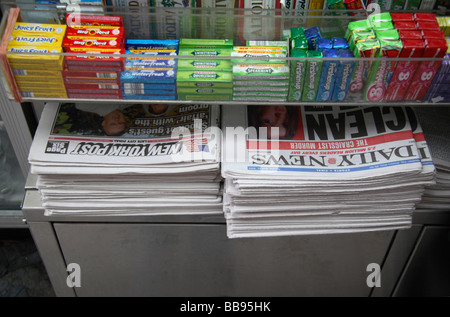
<point>90,74</point>
<point>404,71</point>
<point>405,25</point>
<point>431,25</point>
<point>108,31</point>
<point>410,34</point>
<point>434,48</point>
<point>98,66</point>
<point>93,43</point>
<point>402,16</point>
<point>93,96</point>
<point>433,34</point>
<point>88,61</point>
<point>73,19</point>
<point>72,77</point>
<point>421,16</point>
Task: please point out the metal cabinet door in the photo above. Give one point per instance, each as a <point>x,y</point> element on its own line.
<point>427,271</point>
<point>139,259</point>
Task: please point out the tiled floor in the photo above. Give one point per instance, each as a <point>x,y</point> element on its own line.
<point>22,273</point>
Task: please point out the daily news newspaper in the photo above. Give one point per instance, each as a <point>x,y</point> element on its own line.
<point>122,138</point>
<point>318,143</point>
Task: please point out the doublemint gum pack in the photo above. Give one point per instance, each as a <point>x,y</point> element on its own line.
<point>343,76</point>
<point>204,97</point>
<point>328,75</point>
<point>204,76</point>
<point>195,84</point>
<point>204,64</point>
<point>205,43</point>
<point>297,76</point>
<point>206,90</point>
<point>312,75</point>
<point>214,51</point>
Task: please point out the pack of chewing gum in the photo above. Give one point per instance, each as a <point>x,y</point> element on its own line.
<point>75,20</point>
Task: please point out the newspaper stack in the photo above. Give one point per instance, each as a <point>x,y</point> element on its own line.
<point>292,170</point>
<point>133,159</point>
<point>434,122</point>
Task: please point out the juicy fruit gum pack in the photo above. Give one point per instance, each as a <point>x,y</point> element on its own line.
<point>36,38</point>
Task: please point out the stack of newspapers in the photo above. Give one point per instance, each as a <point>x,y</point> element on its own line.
<point>436,130</point>
<point>293,170</point>
<point>157,159</point>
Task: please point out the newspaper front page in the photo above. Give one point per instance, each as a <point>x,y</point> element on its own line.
<point>104,159</point>
<point>137,137</point>
<point>319,143</point>
<point>307,170</point>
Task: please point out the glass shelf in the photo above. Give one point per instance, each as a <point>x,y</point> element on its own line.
<point>240,25</point>
<point>12,184</point>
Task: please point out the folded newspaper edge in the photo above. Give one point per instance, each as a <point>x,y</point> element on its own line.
<point>328,143</point>
<point>327,175</point>
<point>181,137</point>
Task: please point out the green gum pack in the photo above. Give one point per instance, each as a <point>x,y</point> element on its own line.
<point>204,64</point>
<point>360,36</point>
<point>312,75</point>
<point>297,32</point>
<point>205,84</point>
<point>208,76</point>
<point>383,25</point>
<point>297,75</point>
<point>213,51</point>
<point>300,43</point>
<point>205,97</point>
<point>260,71</point>
<point>261,83</point>
<point>387,35</point>
<point>205,42</point>
<point>367,48</point>
<point>356,26</point>
<point>379,17</point>
<point>381,70</point>
<point>336,5</point>
<point>200,91</point>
